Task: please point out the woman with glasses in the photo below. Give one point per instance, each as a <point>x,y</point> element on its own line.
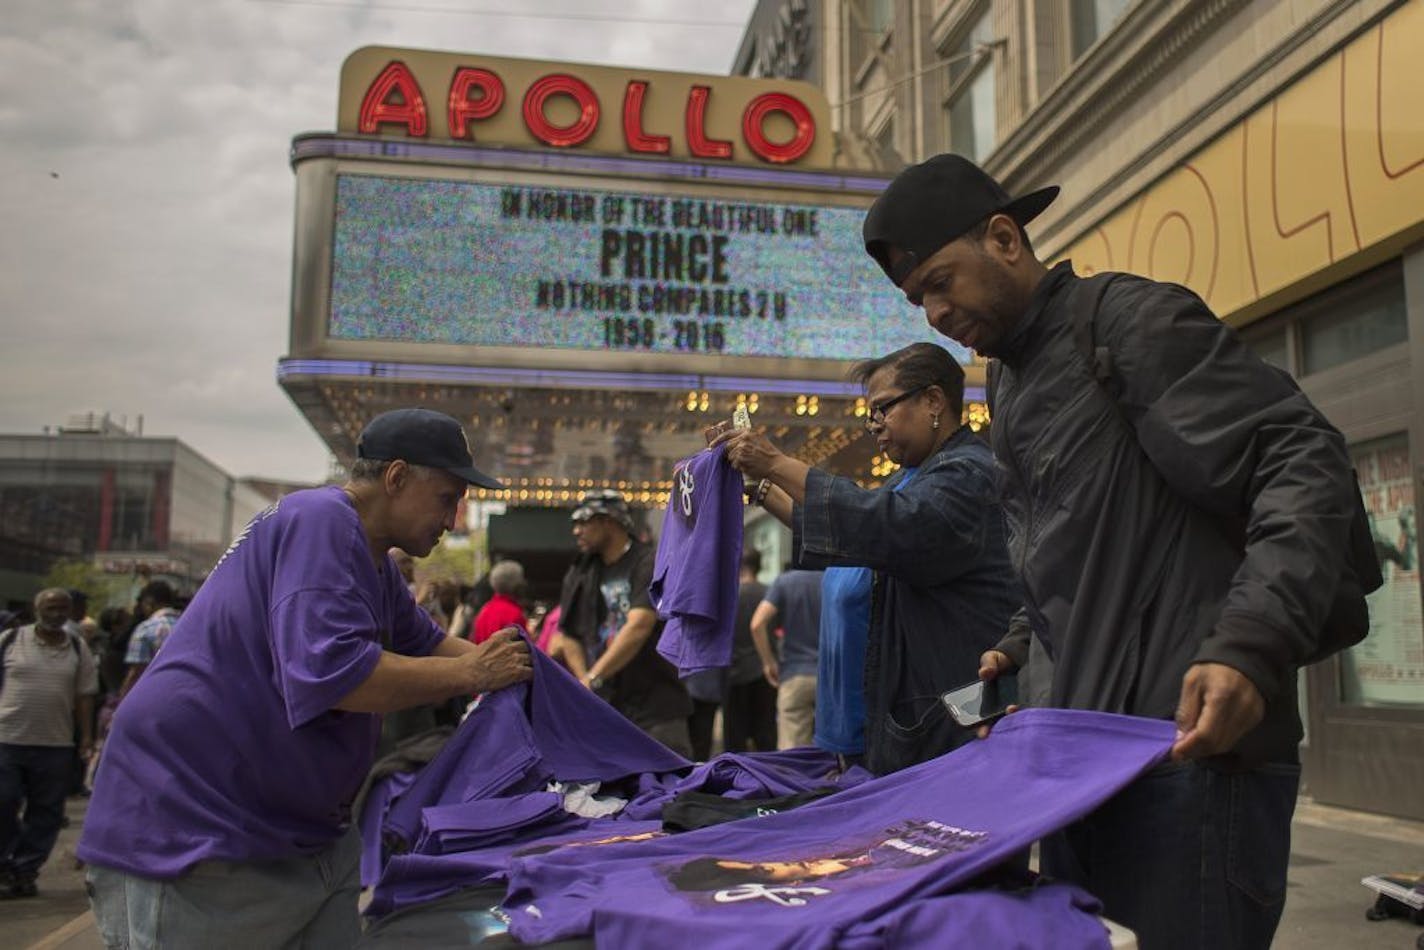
<point>918,583</point>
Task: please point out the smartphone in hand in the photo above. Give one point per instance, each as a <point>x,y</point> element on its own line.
<point>981,701</point>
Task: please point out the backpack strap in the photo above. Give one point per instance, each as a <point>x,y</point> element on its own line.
<point>1085,314</point>
<point>7,639</point>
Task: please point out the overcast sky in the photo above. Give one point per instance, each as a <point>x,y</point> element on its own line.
<point>145,253</point>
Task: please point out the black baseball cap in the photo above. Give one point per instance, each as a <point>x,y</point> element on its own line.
<point>603,502</point>
<point>422,437</point>
<point>928,205</point>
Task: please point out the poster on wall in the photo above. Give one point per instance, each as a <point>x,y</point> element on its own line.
<point>1388,667</point>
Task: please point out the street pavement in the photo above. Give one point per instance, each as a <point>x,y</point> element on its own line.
<point>1332,849</point>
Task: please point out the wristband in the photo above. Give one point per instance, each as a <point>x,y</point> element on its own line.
<point>762,488</point>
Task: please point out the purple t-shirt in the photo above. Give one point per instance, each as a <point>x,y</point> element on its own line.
<point>411,879</point>
<point>695,574</point>
<point>519,738</point>
<point>465,826</point>
<point>1054,915</point>
<point>805,877</point>
<point>229,748</point>
<point>747,775</point>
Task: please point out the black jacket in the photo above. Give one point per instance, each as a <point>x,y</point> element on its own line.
<point>1116,504</point>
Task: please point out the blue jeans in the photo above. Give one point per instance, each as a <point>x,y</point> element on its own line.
<point>38,777</point>
<point>292,904</point>
<point>1187,856</point>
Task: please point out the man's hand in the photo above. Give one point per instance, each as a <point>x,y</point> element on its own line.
<point>992,665</point>
<point>500,661</point>
<point>1219,705</point>
<point>772,672</point>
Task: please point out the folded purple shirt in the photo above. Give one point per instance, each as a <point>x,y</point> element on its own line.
<point>745,776</point>
<point>520,738</point>
<point>450,828</point>
<point>411,879</point>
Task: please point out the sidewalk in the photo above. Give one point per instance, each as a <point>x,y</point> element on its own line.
<point>1331,850</point>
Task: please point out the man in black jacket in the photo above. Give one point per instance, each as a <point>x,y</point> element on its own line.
<point>1126,493</point>
<point>608,629</point>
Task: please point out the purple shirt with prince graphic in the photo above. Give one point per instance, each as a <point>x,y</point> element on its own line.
<point>695,575</point>
<point>229,747</point>
<point>806,877</point>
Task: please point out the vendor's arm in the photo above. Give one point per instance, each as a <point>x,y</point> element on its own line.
<point>624,645</point>
<point>928,533</point>
<point>452,645</point>
<point>752,454</point>
<point>778,504</point>
<point>455,668</point>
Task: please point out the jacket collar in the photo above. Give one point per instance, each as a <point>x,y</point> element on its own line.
<point>1058,277</point>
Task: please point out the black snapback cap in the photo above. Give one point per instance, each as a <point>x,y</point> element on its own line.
<point>422,437</point>
<point>928,205</point>
<point>606,502</point>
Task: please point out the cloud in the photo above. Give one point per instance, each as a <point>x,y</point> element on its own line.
<point>152,275</point>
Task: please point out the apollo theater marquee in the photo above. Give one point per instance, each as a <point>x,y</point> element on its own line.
<point>587,265</point>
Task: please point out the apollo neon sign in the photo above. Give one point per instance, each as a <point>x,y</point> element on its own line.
<point>563,106</point>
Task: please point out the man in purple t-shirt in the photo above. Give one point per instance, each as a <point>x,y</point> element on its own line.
<point>221,810</point>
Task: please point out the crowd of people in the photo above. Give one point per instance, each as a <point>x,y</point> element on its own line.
<point>1159,527</point>
<point>66,673</point>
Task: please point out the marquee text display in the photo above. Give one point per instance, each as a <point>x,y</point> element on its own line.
<point>489,265</point>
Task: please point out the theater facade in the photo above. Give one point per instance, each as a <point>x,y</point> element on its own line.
<point>586,265</point>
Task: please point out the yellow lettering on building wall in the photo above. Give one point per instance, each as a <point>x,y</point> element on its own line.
<point>1384,131</point>
<point>1333,165</point>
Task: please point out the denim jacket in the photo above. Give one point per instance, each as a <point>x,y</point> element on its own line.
<point>943,591</point>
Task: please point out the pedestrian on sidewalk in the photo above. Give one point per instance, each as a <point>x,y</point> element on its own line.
<point>47,684</point>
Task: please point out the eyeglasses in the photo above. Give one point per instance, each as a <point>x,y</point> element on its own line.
<point>876,416</point>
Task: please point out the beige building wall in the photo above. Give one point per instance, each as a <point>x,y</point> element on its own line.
<point>1106,118</point>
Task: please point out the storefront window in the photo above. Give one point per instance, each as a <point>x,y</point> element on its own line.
<point>1353,320</point>
<point>1092,19</point>
<point>879,14</point>
<point>1387,669</point>
<point>1274,348</point>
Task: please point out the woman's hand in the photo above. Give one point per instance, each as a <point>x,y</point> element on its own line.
<point>750,452</point>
